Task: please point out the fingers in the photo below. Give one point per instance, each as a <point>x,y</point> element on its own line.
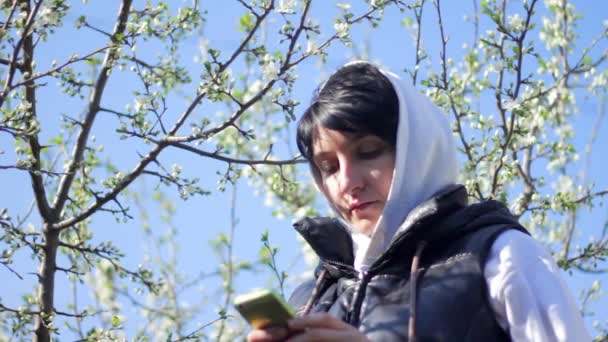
<point>326,335</point>
<point>317,320</point>
<point>267,335</point>
<point>322,327</point>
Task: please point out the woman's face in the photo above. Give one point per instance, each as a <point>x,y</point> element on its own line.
<point>355,174</point>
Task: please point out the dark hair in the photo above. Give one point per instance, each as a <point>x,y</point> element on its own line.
<point>358,99</point>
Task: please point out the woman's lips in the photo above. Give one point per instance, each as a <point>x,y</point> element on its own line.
<point>360,206</point>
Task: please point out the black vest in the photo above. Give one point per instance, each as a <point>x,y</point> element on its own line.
<point>451,240</point>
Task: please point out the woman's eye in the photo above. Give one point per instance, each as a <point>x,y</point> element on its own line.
<point>327,167</point>
<point>370,153</point>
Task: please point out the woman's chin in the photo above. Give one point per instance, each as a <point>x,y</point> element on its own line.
<point>364,226</point>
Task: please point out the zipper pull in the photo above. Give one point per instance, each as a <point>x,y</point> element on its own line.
<point>363,271</point>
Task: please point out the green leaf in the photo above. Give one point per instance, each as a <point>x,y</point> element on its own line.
<point>246,22</point>
<point>265,236</point>
<point>58,140</point>
<point>587,61</point>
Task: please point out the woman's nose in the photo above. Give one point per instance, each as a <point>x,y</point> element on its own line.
<point>351,178</point>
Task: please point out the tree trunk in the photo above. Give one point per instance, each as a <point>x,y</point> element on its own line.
<point>46,281</point>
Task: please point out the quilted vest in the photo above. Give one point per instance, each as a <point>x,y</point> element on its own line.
<point>429,283</point>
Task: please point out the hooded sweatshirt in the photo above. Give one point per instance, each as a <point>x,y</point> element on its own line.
<point>425,164</point>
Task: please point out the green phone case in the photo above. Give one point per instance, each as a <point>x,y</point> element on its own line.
<point>262,308</point>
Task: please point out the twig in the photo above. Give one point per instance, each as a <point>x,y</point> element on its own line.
<point>418,15</point>
<point>192,335</point>
<point>82,314</point>
<point>60,67</point>
<point>12,270</point>
<point>457,117</point>
<point>229,278</point>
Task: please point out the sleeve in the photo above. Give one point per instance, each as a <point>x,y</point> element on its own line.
<point>530,299</point>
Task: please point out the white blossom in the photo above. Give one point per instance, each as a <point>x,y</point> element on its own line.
<point>139,104</point>
<point>341,29</point>
<point>176,170</point>
<point>516,22</point>
<point>311,46</point>
<point>287,6</point>
<point>270,68</point>
<point>344,6</point>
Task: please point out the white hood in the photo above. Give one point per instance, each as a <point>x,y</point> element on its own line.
<point>425,163</point>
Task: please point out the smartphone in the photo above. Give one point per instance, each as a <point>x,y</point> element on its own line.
<point>263,308</point>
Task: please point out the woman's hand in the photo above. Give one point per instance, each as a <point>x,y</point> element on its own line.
<point>270,334</point>
<point>323,327</point>
<point>313,327</point>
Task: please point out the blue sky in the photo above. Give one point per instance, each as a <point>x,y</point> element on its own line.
<point>200,219</point>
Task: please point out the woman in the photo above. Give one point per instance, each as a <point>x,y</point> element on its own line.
<point>407,258</point>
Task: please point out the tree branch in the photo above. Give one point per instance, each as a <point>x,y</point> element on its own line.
<point>217,156</point>
<point>103,199</point>
<point>82,314</point>
<point>222,68</point>
<point>60,67</point>
<point>93,108</point>
<point>10,15</point>
<point>446,88</point>
<point>108,255</point>
<point>13,63</point>
<point>18,312</point>
<point>32,138</point>
<point>193,335</point>
<point>19,66</point>
<point>12,270</point>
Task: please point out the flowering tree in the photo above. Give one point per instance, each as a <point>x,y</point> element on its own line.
<point>511,96</point>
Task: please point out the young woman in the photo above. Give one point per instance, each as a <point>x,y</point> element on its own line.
<point>406,258</point>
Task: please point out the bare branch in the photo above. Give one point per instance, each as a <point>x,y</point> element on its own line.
<point>82,314</point>
<point>69,271</point>
<point>97,30</point>
<point>19,66</point>
<point>12,270</point>
<point>248,7</point>
<point>8,167</point>
<point>117,113</point>
<point>216,155</point>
